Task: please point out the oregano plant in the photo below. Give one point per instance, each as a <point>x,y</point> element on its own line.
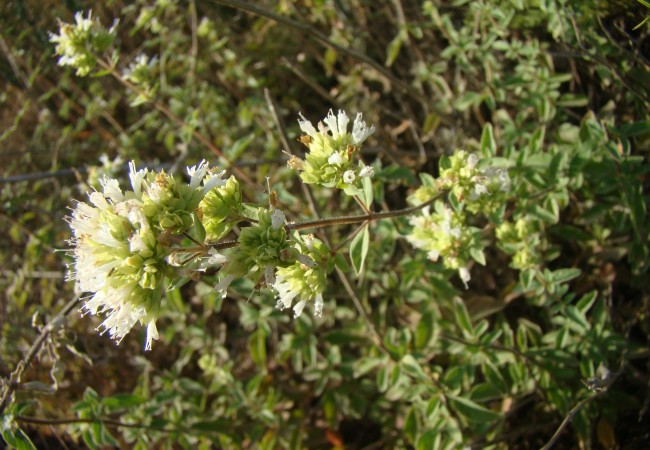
<point>444,250</point>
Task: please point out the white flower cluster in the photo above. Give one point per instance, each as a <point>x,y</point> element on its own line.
<point>336,128</point>
<point>119,249</point>
<point>332,147</point>
<point>305,279</point>
<point>79,44</point>
<point>443,233</point>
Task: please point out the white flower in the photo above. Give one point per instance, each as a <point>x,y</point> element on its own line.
<point>338,125</point>
<point>82,23</point>
<point>298,307</point>
<point>335,158</point>
<point>285,290</point>
<point>309,241</point>
<point>197,173</point>
<point>307,127</point>
<point>176,260</point>
<point>121,315</point>
<point>213,180</point>
<point>152,333</point>
<point>480,189</point>
<point>99,201</point>
<point>367,171</point>
<point>360,131</point>
<point>300,281</point>
<point>318,305</point>
<point>349,176</point>
<point>133,212</point>
<point>137,177</point>
<point>465,276</point>
<point>112,189</point>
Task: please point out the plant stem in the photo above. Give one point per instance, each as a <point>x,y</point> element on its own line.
<point>343,220</point>
<point>327,222</point>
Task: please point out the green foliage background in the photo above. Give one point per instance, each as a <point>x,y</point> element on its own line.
<point>557,91</point>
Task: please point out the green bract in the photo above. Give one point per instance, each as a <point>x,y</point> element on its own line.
<point>221,209</point>
<point>263,246</point>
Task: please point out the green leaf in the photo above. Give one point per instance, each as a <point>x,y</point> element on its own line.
<point>543,214</point>
<point>257,347</point>
<point>573,101</point>
<point>198,230</point>
<point>462,317</point>
<point>564,275</point>
<point>392,51</point>
<point>365,365</point>
<point>89,439</point>
<point>424,331</point>
<point>359,249</point>
<point>488,144</point>
<point>477,255</point>
<point>577,318</point>
<point>537,141</point>
<point>586,302</point>
<point>486,392</point>
<point>427,180</point>
<point>368,193</point>
<point>341,262</point>
<point>412,424</point>
<point>216,425</point>
<point>468,100</point>
<point>122,401</point>
<point>473,411</point>
<point>18,439</point>
<point>634,129</point>
<point>427,440</point>
<point>413,368</point>
<point>383,378</point>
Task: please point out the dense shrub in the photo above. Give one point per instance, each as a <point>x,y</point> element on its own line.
<point>477,272</point>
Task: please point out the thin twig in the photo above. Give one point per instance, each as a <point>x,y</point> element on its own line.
<point>362,312</point>
<point>309,30</point>
<point>12,62</point>
<point>343,220</point>
<point>576,409</point>
<point>320,223</point>
<point>178,121</point>
<point>10,385</point>
<point>194,50</point>
<point>297,70</point>
<point>105,421</point>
